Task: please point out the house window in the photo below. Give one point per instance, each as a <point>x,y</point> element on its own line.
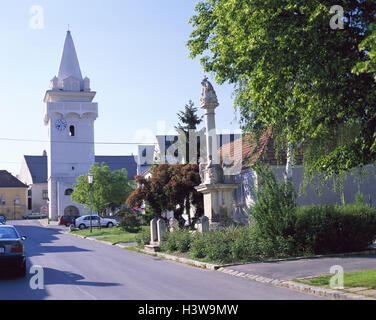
<point>45,194</point>
<point>72,131</point>
<point>29,204</point>
<point>2,201</point>
<point>68,192</point>
<point>29,193</point>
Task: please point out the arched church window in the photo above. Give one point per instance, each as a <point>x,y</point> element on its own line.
<point>72,131</point>
<point>68,192</point>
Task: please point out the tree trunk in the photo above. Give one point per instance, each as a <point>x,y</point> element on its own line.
<point>188,209</point>
<point>289,164</point>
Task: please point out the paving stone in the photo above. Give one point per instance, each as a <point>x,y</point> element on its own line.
<point>355,289</point>
<point>368,292</point>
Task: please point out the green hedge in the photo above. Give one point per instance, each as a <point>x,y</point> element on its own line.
<point>179,241</point>
<point>334,229</point>
<point>316,230</point>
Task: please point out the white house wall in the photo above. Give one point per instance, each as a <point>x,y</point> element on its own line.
<point>37,201</point>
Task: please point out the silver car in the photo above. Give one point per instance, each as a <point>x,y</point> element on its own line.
<point>12,252</point>
<point>84,222</point>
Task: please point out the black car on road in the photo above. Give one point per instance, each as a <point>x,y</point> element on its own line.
<point>12,251</point>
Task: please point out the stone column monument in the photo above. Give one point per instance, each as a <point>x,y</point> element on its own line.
<point>217,193</point>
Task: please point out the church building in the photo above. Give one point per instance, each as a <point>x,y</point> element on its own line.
<point>70,114</point>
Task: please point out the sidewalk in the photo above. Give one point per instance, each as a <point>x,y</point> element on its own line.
<point>287,270</point>
<point>281,274</point>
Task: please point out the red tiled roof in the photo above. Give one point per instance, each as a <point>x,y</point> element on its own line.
<point>251,150</point>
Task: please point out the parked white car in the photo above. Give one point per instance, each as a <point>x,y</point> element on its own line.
<point>84,222</point>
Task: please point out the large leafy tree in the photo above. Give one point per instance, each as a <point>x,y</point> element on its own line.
<point>369,65</point>
<point>294,73</point>
<point>369,46</point>
<point>109,189</point>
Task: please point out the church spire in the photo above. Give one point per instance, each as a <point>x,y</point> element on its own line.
<point>69,65</point>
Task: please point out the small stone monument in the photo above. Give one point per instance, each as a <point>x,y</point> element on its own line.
<point>153,231</point>
<point>161,230</point>
<point>154,239</point>
<point>217,190</point>
<point>174,224</point>
<point>203,224</point>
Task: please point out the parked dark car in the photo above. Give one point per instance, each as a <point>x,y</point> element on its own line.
<point>12,252</point>
<point>3,220</point>
<point>67,220</point>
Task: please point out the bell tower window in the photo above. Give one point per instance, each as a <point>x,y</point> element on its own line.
<point>72,131</point>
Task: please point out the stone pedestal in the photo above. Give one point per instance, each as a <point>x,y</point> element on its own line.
<point>218,206</point>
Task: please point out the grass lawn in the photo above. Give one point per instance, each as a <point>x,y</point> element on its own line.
<point>106,232</point>
<point>122,238</point>
<point>366,279</point>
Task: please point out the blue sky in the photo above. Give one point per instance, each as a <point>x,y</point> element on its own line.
<point>135,54</point>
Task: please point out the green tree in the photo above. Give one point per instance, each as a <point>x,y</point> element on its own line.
<point>167,190</point>
<point>293,72</point>
<point>109,189</point>
<point>368,45</point>
<point>188,122</point>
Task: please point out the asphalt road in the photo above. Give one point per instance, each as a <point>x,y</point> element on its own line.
<point>76,268</point>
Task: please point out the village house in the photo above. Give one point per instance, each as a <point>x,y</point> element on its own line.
<point>12,196</point>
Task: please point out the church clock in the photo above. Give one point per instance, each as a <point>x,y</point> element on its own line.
<point>60,125</point>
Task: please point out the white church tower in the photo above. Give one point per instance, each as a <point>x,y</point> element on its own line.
<point>69,114</point>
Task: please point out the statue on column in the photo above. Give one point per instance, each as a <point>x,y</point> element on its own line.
<point>210,172</point>
<point>208,96</point>
<point>217,193</point>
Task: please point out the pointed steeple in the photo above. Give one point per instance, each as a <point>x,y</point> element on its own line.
<point>69,65</point>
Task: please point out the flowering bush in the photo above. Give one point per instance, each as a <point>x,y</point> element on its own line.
<point>130,221</point>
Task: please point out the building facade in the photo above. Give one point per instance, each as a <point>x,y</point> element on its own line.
<point>13,195</point>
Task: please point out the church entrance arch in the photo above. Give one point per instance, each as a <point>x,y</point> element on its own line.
<point>71,211</point>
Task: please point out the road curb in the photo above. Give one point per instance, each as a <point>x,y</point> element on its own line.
<point>204,265</point>
<point>313,290</point>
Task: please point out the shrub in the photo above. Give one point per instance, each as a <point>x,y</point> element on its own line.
<point>273,212</point>
<point>218,245</point>
<point>130,222</point>
<point>179,240</point>
<point>245,245</point>
<point>227,245</point>
<point>333,229</point>
<point>198,246</point>
<point>143,238</point>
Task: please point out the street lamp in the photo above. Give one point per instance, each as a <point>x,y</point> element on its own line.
<point>16,201</point>
<point>90,178</point>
